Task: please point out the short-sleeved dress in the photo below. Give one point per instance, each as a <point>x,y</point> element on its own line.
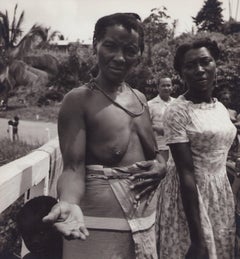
<point>208,128</point>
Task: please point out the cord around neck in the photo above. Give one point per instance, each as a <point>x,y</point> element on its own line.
<point>93,84</point>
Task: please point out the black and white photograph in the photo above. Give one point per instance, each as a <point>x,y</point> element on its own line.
<point>119,129</point>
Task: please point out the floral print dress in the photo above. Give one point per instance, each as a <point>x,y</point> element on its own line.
<point>208,129</point>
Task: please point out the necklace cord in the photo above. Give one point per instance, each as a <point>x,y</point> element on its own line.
<point>93,84</point>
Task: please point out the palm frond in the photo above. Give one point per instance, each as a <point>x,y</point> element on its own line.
<point>39,30</point>
<point>13,22</point>
<point>17,30</point>
<point>30,40</point>
<point>4,29</point>
<point>7,27</point>
<point>53,35</point>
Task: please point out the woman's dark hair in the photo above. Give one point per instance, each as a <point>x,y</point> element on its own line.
<point>127,20</point>
<point>195,44</point>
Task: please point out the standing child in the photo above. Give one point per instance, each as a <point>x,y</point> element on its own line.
<point>10,129</point>
<point>15,128</point>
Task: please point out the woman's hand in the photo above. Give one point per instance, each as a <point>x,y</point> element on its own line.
<point>148,180</point>
<point>197,252</point>
<point>68,220</point>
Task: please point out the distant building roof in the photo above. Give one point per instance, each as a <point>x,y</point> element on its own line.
<point>61,42</point>
<point>66,43</point>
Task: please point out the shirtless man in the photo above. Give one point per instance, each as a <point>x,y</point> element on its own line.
<point>105,125</point>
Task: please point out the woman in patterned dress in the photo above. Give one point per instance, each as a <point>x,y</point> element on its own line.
<point>196,205</point>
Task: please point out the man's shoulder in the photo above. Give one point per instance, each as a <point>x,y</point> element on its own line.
<point>76,99</point>
<point>81,91</point>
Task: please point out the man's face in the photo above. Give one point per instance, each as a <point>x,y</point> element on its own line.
<point>165,87</point>
<point>117,52</point>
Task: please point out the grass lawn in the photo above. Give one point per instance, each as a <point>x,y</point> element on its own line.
<point>32,113</point>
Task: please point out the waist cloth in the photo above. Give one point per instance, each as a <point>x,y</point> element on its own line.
<point>108,206</point>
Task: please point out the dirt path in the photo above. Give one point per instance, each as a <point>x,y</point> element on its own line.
<point>31,131</point>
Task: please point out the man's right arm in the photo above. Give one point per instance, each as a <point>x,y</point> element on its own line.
<point>72,139</point>
<point>67,215</point>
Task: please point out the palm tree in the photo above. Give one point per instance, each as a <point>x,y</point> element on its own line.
<point>10,32</point>
<point>34,37</point>
<point>13,50</point>
<point>50,37</point>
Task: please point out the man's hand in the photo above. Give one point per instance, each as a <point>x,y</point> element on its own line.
<point>147,181</point>
<point>68,220</point>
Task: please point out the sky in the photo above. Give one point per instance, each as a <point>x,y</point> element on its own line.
<point>75,19</point>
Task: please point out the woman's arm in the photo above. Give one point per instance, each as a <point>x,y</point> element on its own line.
<point>181,153</point>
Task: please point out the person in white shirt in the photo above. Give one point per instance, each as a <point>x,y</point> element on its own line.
<point>225,98</point>
<point>157,107</point>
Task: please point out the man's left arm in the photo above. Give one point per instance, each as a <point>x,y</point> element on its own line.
<point>154,169</point>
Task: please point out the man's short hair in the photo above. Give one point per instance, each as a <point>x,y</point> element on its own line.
<point>128,20</point>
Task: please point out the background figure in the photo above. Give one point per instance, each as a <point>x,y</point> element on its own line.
<point>197,211</point>
<point>110,175</point>
<point>157,107</point>
<point>10,129</point>
<point>233,163</point>
<point>42,239</point>
<point>15,128</point>
<point>226,99</point>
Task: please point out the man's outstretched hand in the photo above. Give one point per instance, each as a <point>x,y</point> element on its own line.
<point>68,220</point>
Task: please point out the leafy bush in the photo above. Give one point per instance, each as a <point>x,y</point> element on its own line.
<point>74,67</point>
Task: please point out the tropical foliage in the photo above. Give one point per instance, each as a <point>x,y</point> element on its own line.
<point>74,66</point>
<point>10,32</point>
<point>210,17</point>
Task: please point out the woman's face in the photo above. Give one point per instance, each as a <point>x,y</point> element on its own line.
<point>198,70</point>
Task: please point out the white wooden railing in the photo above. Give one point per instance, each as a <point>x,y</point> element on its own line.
<point>32,175</point>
